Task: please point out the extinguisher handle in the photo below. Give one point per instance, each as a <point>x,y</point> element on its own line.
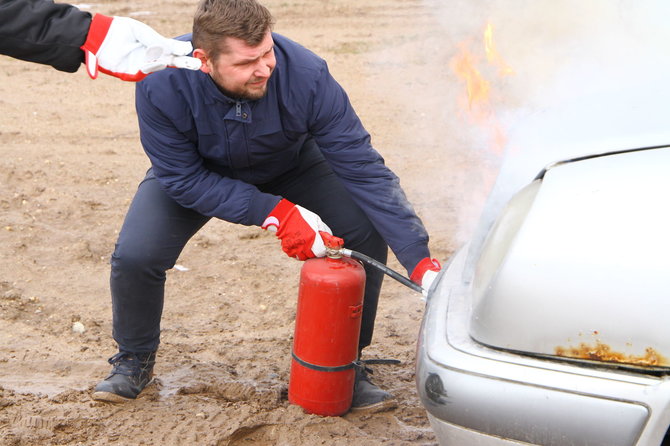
<point>331,242</point>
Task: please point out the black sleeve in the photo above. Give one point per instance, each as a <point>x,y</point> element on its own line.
<point>43,32</point>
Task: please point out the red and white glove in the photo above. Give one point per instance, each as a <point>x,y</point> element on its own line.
<point>125,48</point>
<point>298,229</point>
<point>425,273</point>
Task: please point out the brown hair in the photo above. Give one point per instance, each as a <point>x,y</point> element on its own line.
<point>215,20</point>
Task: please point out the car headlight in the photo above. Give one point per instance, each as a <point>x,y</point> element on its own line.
<point>501,236</point>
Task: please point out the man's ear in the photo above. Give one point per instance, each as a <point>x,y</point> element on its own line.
<point>199,53</point>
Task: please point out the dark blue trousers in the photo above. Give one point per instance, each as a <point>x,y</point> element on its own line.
<point>156,229</point>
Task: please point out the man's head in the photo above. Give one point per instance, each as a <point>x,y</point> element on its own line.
<point>233,40</point>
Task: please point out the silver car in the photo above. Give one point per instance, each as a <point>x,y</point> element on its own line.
<point>555,328</point>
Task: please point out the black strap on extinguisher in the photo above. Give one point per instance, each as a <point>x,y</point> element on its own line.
<point>322,368</point>
<point>339,368</point>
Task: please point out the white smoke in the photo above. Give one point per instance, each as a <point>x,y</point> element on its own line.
<point>590,76</point>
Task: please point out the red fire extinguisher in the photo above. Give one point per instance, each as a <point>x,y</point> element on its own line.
<point>327,326</point>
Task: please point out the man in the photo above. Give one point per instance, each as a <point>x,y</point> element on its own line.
<point>262,135</point>
<point>62,36</point>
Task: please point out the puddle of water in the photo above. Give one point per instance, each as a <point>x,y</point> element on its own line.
<point>50,378</point>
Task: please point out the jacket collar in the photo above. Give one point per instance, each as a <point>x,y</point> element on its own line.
<point>212,94</point>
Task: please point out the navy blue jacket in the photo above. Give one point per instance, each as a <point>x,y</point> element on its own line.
<point>208,150</point>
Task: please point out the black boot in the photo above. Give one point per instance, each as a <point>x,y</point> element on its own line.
<point>131,373</point>
<point>369,397</point>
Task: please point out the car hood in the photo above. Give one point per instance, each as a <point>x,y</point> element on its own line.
<point>586,272</point>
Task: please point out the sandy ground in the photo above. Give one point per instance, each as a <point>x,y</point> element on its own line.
<point>70,163</point>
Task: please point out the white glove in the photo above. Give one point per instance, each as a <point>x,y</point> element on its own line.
<point>428,279</point>
<point>298,229</point>
<point>425,273</point>
<point>125,48</point>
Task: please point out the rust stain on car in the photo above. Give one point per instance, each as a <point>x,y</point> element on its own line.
<point>603,352</point>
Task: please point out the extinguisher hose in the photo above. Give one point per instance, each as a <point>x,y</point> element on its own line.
<point>385,269</point>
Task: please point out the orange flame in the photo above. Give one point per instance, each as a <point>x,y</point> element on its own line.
<point>478,89</point>
<point>492,54</point>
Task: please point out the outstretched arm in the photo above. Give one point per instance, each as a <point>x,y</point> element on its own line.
<point>43,32</point>
<point>63,36</point>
